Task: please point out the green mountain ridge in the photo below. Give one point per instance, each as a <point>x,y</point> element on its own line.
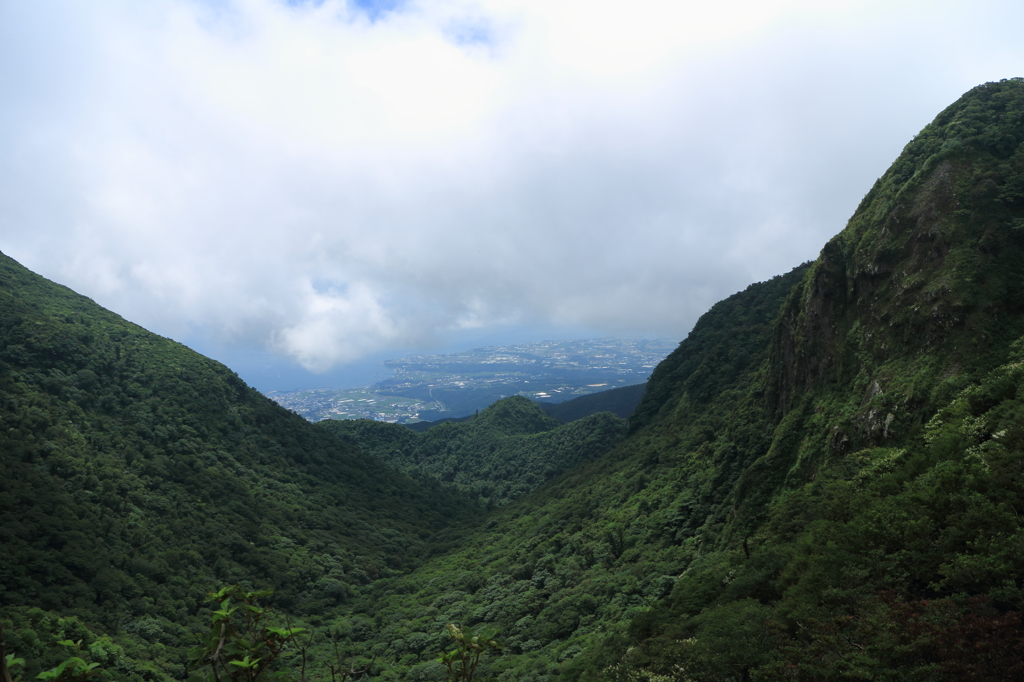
<point>822,482</point>
<point>620,401</point>
<point>893,467</point>
<point>509,449</point>
<point>136,474</point>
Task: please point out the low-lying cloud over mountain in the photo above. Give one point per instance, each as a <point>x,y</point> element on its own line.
<point>328,179</point>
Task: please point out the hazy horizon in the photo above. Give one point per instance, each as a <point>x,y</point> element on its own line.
<point>296,188</point>
<point>268,372</point>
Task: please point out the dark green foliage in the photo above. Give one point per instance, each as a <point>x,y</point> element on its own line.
<point>823,482</point>
<point>35,636</point>
<point>241,645</point>
<point>875,537</point>
<point>507,450</point>
<point>619,401</point>
<point>135,473</point>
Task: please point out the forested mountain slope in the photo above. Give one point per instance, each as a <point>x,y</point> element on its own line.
<point>507,450</point>
<point>823,482</point>
<point>565,565</point>
<point>878,535</point>
<point>136,474</point>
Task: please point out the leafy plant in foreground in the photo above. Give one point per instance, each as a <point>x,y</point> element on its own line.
<point>240,646</point>
<point>7,660</point>
<point>461,661</point>
<point>73,669</point>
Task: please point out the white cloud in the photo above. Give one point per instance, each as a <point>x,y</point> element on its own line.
<point>321,338</point>
<point>308,180</point>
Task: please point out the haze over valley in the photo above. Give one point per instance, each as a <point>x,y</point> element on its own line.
<point>818,482</point>
<point>743,284</point>
<point>430,387</point>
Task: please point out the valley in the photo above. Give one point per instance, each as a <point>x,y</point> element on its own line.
<point>822,481</point>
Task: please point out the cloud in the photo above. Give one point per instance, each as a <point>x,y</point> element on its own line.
<point>320,338</point>
<point>323,180</point>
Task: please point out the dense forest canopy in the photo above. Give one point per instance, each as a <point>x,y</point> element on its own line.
<point>823,482</point>
<point>509,449</point>
<point>136,475</point>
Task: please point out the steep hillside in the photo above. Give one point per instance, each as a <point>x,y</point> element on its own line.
<point>876,537</point>
<point>576,559</point>
<point>136,474</point>
<point>820,483</point>
<point>919,296</point>
<point>507,450</point>
<point>823,482</point>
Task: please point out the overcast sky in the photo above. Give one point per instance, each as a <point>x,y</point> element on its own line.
<point>315,183</point>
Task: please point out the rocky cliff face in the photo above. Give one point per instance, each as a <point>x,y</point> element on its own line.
<point>919,296</point>
<point>925,283</point>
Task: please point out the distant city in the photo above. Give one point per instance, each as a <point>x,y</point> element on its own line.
<point>430,387</point>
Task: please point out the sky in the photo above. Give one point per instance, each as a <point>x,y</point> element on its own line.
<point>302,189</point>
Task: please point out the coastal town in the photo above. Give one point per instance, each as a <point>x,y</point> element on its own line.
<point>430,387</point>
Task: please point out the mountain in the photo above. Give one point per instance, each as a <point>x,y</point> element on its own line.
<point>136,474</point>
<point>509,449</point>
<point>619,401</point>
<point>822,482</point>
<point>562,566</point>
<point>872,534</point>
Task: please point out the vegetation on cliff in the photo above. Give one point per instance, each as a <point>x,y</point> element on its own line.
<point>876,536</point>
<point>823,482</point>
